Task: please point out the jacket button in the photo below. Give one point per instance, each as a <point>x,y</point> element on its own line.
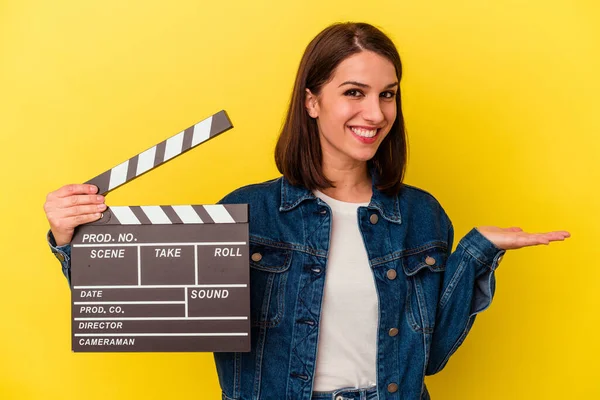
<point>256,257</point>
<point>391,274</point>
<point>392,388</point>
<point>373,218</point>
<point>60,257</point>
<point>393,332</point>
<point>430,261</point>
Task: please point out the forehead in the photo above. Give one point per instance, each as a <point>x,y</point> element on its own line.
<point>365,67</point>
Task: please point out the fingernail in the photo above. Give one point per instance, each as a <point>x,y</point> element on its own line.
<point>100,198</point>
<point>93,189</point>
<point>101,206</point>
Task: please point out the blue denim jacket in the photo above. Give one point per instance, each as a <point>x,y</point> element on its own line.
<point>428,295</point>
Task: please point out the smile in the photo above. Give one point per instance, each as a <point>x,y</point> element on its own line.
<point>365,134</point>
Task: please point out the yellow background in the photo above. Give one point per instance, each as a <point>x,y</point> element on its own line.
<point>501,101</point>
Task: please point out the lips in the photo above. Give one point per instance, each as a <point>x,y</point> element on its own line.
<point>364,131</point>
<point>365,134</point>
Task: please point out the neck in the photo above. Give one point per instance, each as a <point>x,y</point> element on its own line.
<point>352,182</point>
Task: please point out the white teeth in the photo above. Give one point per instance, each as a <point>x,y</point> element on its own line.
<point>364,132</point>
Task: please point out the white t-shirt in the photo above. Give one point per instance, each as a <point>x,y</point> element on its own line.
<point>347,348</point>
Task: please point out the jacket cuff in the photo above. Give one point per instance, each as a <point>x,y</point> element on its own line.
<point>62,253</point>
<point>488,257</point>
<point>482,249</point>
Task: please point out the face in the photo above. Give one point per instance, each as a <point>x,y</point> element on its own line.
<point>356,108</point>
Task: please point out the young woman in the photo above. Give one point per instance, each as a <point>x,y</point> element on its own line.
<point>355,290</point>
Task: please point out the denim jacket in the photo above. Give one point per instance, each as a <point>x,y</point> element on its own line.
<point>428,295</point>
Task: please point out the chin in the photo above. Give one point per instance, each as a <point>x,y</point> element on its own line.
<point>363,157</point>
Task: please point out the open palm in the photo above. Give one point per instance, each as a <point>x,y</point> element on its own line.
<point>516,238</point>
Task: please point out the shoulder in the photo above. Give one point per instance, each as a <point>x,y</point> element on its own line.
<point>411,192</point>
<point>419,202</point>
<point>255,193</point>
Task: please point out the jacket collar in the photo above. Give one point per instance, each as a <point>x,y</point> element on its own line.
<point>292,196</point>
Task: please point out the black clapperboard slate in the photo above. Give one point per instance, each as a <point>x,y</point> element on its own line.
<point>162,278</point>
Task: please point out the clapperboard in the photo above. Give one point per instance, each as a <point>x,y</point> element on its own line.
<point>162,278</point>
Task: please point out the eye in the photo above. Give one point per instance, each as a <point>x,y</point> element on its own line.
<point>353,93</point>
<point>389,94</point>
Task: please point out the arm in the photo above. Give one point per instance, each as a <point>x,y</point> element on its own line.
<point>467,289</point>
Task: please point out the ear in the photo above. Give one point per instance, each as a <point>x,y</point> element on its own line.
<point>311,104</point>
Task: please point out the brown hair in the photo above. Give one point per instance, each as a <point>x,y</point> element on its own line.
<point>298,150</point>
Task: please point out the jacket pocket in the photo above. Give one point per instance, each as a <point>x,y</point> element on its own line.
<point>424,269</point>
<point>268,276</point>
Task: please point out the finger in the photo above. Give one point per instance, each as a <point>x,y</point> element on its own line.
<point>563,233</point>
<point>557,236</point>
<point>82,209</point>
<point>80,199</point>
<point>534,239</point>
<point>531,239</point>
<point>69,190</point>
<point>546,238</point>
<point>556,233</point>
<point>81,219</point>
<point>551,235</point>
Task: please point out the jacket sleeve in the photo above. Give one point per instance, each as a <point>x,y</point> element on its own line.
<point>62,253</point>
<point>468,288</point>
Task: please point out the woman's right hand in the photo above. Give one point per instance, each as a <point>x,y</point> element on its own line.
<point>71,206</point>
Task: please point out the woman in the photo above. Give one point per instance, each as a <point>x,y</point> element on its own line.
<point>396,303</point>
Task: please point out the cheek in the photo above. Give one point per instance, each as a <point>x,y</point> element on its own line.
<point>340,111</point>
<point>345,112</point>
<point>389,111</point>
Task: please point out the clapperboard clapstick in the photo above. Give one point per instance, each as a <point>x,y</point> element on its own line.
<point>162,152</point>
<point>162,278</point>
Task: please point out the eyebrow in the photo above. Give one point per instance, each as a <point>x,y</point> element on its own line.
<point>364,85</point>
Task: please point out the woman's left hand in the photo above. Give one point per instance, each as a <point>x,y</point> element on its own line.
<point>515,238</point>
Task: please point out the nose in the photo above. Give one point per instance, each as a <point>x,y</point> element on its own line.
<point>372,111</point>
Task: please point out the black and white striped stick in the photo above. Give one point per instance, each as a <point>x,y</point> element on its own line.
<point>179,214</point>
<point>162,152</point>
